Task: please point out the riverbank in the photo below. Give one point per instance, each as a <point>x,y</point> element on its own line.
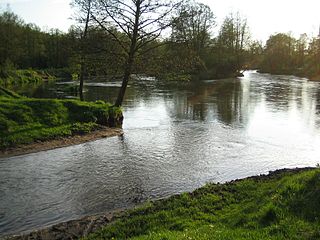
<point>23,76</point>
<point>281,205</point>
<point>45,122</point>
<point>99,133</point>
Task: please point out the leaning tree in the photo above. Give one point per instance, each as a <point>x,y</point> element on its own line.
<point>139,22</point>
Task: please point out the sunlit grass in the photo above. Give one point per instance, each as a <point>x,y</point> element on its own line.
<point>25,120</point>
<point>282,206</point>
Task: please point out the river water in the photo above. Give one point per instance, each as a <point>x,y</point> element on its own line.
<point>175,139</point>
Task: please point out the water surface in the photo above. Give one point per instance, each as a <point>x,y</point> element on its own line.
<point>175,139</point>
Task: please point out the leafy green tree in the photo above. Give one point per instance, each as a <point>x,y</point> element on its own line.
<point>301,50</point>
<point>254,55</point>
<point>192,26</point>
<point>312,65</point>
<point>279,54</point>
<point>232,40</point>
<point>10,33</point>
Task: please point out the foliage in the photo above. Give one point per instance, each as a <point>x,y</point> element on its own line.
<point>254,55</point>
<point>312,60</point>
<point>231,43</point>
<point>139,23</point>
<point>280,206</point>
<point>192,26</point>
<point>191,49</point>
<point>106,47</point>
<point>24,120</point>
<point>26,46</point>
<point>7,93</point>
<point>279,54</point>
<point>284,54</point>
<point>13,77</point>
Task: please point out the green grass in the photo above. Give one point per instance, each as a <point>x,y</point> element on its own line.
<point>22,76</point>
<point>7,93</point>
<point>26,120</point>
<point>285,205</point>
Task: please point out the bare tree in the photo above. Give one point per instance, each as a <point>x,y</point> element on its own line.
<point>141,22</point>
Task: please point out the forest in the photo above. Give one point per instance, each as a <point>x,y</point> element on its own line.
<point>193,48</point>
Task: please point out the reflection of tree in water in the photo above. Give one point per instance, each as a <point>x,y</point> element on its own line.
<point>200,111</point>
<point>37,90</point>
<point>278,94</point>
<point>290,96</point>
<point>135,93</point>
<point>229,103</point>
<point>222,100</point>
<point>317,108</point>
<point>318,100</point>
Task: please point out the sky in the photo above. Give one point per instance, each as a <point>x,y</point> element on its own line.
<point>265,17</point>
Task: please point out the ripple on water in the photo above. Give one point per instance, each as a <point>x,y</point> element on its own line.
<point>176,139</point>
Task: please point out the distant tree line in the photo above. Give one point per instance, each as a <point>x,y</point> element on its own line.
<point>26,46</point>
<point>190,48</point>
<point>284,54</point>
<point>117,38</point>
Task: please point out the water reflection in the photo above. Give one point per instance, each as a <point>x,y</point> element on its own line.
<point>176,139</point>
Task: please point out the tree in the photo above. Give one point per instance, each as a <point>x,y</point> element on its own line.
<point>233,38</point>
<point>301,50</point>
<point>312,67</point>
<point>254,55</point>
<point>140,21</point>
<point>279,54</point>
<point>84,17</point>
<point>10,33</point>
<point>192,26</point>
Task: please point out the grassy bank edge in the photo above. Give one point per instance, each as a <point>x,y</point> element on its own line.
<point>27,120</point>
<point>23,76</point>
<point>282,205</point>
<point>74,139</point>
<point>132,221</point>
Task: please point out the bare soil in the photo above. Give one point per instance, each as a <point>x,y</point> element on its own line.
<point>70,230</point>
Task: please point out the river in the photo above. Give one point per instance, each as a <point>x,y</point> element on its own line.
<point>175,139</point>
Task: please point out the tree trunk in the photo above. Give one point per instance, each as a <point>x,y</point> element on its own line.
<point>82,72</point>
<point>125,81</point>
<point>131,56</point>
<point>83,54</point>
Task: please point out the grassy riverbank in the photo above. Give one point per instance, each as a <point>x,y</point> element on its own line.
<point>26,120</point>
<point>282,205</point>
<point>23,76</point>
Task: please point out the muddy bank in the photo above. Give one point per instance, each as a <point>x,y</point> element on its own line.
<point>70,230</point>
<point>82,227</point>
<point>102,132</point>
